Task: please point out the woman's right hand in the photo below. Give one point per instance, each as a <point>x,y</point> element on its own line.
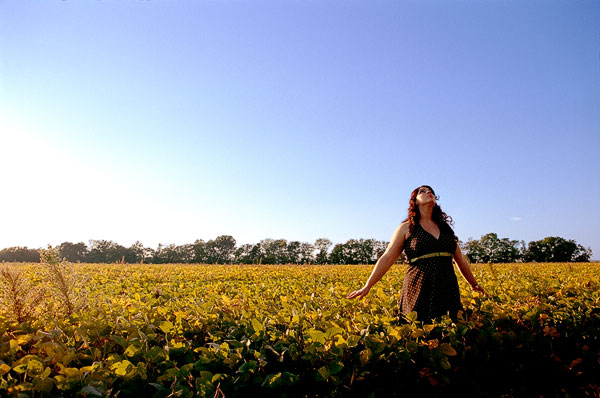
<point>478,288</point>
<point>360,293</point>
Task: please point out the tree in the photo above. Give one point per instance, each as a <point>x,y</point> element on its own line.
<point>221,250</point>
<point>473,250</point>
<point>491,249</point>
<point>556,249</point>
<point>358,251</point>
<point>172,254</point>
<point>137,253</point>
<point>361,250</point>
<point>294,253</point>
<point>322,245</point>
<point>337,255</point>
<point>355,251</point>
<point>20,254</point>
<point>243,254</point>
<point>306,253</point>
<point>256,254</point>
<point>274,251</point>
<point>185,253</point>
<point>107,251</point>
<point>200,254</point>
<point>73,252</point>
<point>164,254</point>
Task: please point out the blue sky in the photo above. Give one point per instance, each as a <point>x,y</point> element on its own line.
<point>171,121</point>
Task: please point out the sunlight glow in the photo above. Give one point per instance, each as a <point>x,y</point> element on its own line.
<point>50,193</point>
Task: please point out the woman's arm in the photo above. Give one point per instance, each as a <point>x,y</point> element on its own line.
<point>465,270</point>
<point>385,261</point>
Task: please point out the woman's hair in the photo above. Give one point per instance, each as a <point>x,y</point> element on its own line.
<point>441,219</point>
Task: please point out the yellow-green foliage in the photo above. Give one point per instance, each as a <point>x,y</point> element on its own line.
<point>195,330</point>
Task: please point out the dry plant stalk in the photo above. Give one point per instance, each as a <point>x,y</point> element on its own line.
<point>18,294</point>
<point>493,271</point>
<point>64,281</point>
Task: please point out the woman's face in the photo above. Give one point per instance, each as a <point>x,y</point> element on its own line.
<point>425,195</point>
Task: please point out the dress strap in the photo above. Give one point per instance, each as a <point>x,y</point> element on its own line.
<point>438,254</point>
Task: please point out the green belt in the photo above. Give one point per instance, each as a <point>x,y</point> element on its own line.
<point>438,254</point>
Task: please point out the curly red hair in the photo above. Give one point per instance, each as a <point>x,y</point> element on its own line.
<point>438,216</point>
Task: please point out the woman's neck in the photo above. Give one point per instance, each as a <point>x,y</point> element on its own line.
<point>425,212</point>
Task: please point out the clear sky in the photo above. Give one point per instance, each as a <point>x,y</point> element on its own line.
<point>170,121</point>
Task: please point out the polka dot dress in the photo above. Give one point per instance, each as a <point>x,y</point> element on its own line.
<point>430,286</point>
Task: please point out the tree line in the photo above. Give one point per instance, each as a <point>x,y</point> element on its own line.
<point>224,250</point>
<point>492,249</point>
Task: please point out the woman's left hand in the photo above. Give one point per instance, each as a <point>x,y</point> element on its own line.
<point>478,288</point>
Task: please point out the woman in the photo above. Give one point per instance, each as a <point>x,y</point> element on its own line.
<point>430,286</point>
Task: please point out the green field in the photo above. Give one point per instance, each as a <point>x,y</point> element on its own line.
<point>236,331</point>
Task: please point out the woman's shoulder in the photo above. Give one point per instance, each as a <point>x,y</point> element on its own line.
<point>404,225</point>
<point>404,229</point>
